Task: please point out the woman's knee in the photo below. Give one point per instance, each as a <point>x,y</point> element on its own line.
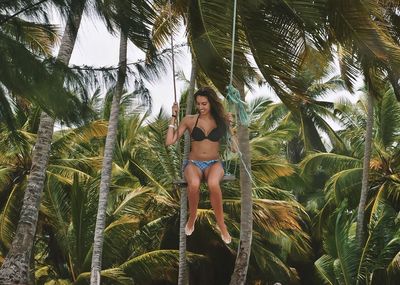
<point>193,186</point>
<point>213,185</point>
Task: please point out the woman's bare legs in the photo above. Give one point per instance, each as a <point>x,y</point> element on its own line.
<point>214,175</point>
<point>193,177</point>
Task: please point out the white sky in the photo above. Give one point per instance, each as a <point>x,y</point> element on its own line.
<point>96,47</point>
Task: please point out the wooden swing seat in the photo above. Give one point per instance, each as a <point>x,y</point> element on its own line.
<point>182,182</point>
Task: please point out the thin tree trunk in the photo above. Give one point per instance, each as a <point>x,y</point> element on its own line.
<point>365,174</point>
<point>16,266</point>
<point>107,165</point>
<point>182,275</point>
<point>246,217</point>
<point>189,106</point>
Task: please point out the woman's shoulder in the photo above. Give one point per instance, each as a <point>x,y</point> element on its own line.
<point>189,119</point>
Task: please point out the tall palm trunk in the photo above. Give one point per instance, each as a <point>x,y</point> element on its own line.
<point>16,267</point>
<point>246,216</point>
<point>182,275</point>
<point>107,164</point>
<point>365,174</point>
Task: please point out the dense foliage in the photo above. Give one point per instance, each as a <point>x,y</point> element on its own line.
<point>306,152</point>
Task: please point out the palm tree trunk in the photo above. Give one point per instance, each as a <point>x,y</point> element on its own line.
<point>107,165</point>
<point>365,174</point>
<point>16,266</point>
<point>182,275</point>
<point>189,106</point>
<point>246,217</point>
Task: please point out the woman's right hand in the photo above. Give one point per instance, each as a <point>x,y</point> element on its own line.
<point>175,109</point>
<point>229,118</point>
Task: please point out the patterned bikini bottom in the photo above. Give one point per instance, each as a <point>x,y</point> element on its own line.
<point>202,164</point>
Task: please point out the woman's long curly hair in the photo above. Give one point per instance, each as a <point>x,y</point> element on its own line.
<point>217,109</point>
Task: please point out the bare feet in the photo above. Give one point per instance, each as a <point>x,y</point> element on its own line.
<point>225,236</point>
<point>189,228</point>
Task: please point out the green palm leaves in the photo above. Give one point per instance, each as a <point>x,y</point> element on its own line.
<point>346,263</point>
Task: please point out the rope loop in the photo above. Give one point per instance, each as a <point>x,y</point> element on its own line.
<point>233,97</point>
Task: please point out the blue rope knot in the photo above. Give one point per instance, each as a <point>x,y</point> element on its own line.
<point>233,97</point>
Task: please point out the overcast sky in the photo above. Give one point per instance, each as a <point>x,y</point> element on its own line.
<point>97,47</point>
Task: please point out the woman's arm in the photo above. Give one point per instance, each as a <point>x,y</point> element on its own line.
<point>174,133</point>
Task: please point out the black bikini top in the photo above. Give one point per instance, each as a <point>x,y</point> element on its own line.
<point>198,134</point>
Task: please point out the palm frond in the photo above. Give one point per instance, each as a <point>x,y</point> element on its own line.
<point>158,265</point>
<point>84,201</point>
<point>132,17</point>
<point>345,184</point>
<point>40,38</point>
<point>114,275</point>
<point>383,240</point>
<point>349,70</point>
<point>5,177</point>
<point>6,112</point>
<point>394,268</point>
<point>325,267</point>
<point>388,119</point>
<point>65,140</point>
<point>341,246</point>
<point>273,193</point>
<point>210,38</point>
<point>275,221</point>
<point>276,37</point>
<point>271,267</point>
<point>267,169</point>
<point>165,25</point>
<point>146,238</point>
<point>56,208</point>
<point>117,239</point>
<point>10,215</point>
<point>328,161</point>
<point>393,193</point>
<point>353,22</point>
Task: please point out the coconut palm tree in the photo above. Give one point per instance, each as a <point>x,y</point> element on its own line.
<point>107,162</point>
<point>68,213</point>
<point>345,174</point>
<point>15,268</point>
<point>277,35</point>
<point>122,17</point>
<point>35,184</point>
<point>345,171</point>
<point>269,169</point>
<point>147,212</point>
<point>24,45</point>
<point>363,30</point>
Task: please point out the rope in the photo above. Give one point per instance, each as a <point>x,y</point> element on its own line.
<point>233,40</point>
<point>173,53</point>
<point>243,163</point>
<point>173,77</point>
<point>233,97</point>
<point>230,143</point>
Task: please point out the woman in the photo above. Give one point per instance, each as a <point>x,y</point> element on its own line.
<point>206,129</point>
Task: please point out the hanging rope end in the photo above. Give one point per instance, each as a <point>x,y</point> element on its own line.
<point>233,97</point>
